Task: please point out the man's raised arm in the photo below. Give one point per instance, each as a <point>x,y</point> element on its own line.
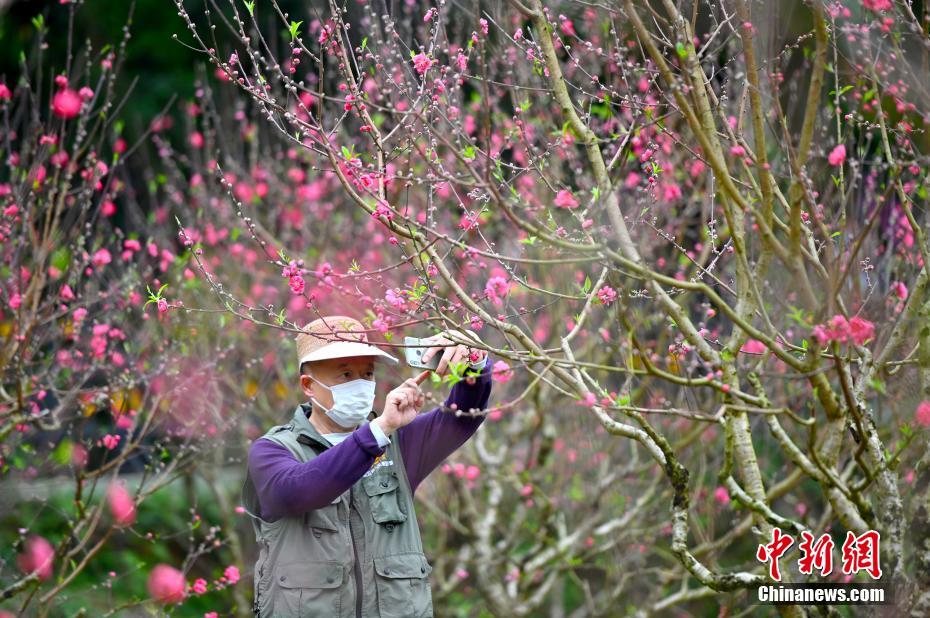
<point>435,435</point>
<point>288,488</point>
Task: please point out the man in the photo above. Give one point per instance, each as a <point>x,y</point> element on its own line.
<point>330,493</point>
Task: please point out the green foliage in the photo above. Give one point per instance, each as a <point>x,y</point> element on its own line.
<point>294,29</point>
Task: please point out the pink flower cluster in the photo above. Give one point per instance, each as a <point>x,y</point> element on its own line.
<point>838,329</point>
<point>923,414</point>
<point>496,288</point>
<point>462,471</point>
<point>422,62</point>
<point>122,506</point>
<point>166,584</point>
<point>36,557</point>
<point>501,372</point>
<point>607,295</point>
<point>295,281</point>
<point>565,199</point>
<point>877,6</point>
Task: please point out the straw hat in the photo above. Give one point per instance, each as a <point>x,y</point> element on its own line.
<point>335,336</point>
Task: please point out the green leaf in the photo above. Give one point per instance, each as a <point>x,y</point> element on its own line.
<point>61,258</point>
<point>250,7</point>
<point>38,21</point>
<point>295,25</point>
<point>587,285</point>
<point>62,453</point>
<point>681,50</point>
<point>469,152</point>
<point>364,43</point>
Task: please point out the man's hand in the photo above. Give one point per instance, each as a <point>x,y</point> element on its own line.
<point>402,405</point>
<point>453,352</point>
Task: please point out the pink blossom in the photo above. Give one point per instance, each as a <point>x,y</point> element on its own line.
<point>66,293</point>
<point>122,506</point>
<point>110,441</point>
<point>199,586</point>
<point>565,199</point>
<point>395,298</point>
<point>899,289</point>
<point>66,103</point>
<point>923,414</point>
<point>837,156</point>
<point>166,584</point>
<point>472,472</point>
<point>861,330</point>
<point>501,372</point>
<point>820,334</point>
<point>589,400</point>
<point>232,574</point>
<point>721,495</point>
<point>162,305</point>
<point>421,63</point>
<point>297,284</point>
<point>737,150</point>
<point>101,257</point>
<point>495,288</point>
<point>836,330</point>
<point>607,295</point>
<point>15,301</point>
<point>526,490</point>
<point>5,94</point>
<point>753,346</point>
<point>877,6</point>
<point>86,93</point>
<point>484,25</point>
<point>37,557</point>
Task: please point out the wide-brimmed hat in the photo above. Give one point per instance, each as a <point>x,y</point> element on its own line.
<point>335,336</point>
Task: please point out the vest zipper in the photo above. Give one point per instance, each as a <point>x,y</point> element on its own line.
<point>358,568</point>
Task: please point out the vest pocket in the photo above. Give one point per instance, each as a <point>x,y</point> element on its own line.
<point>324,518</point>
<point>403,586</point>
<point>383,497</point>
<point>308,589</point>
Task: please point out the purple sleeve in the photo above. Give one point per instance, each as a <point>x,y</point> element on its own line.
<point>288,488</point>
<point>433,436</point>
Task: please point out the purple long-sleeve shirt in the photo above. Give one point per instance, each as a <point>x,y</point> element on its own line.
<point>288,488</point>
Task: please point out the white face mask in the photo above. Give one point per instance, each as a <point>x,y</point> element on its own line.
<point>352,401</point>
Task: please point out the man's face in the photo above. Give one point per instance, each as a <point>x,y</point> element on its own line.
<point>334,371</point>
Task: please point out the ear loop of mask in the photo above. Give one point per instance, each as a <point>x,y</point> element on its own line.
<point>321,406</point>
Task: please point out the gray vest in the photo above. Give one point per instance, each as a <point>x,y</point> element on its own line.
<point>360,556</point>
